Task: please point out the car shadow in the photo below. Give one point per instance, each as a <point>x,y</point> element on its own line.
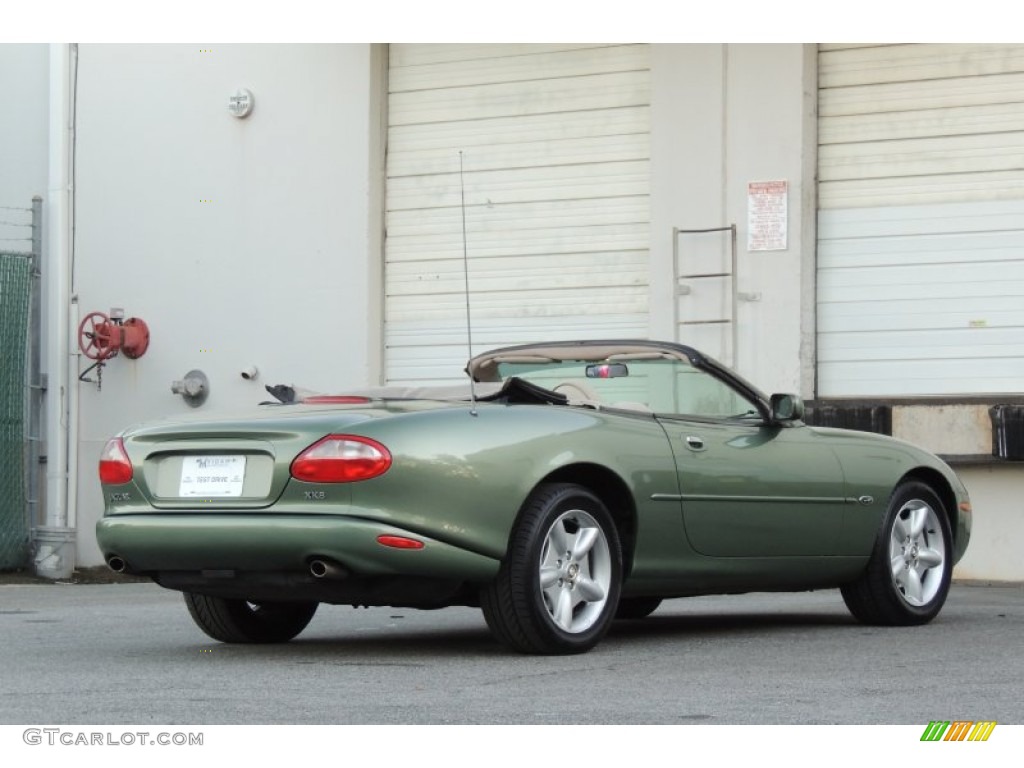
<point>404,648</point>
<point>421,646</point>
<point>708,624</point>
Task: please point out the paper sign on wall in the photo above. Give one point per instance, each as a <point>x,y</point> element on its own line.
<point>767,215</point>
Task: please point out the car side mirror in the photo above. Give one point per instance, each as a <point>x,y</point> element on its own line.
<point>786,408</point>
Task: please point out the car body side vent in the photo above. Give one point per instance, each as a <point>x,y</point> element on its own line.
<point>866,418</point>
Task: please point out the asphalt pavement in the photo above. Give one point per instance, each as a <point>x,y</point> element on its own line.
<point>128,653</point>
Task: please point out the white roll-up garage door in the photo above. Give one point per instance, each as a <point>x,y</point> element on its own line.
<point>555,149</point>
<point>921,221</point>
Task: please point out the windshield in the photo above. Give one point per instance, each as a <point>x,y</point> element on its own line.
<point>645,383</point>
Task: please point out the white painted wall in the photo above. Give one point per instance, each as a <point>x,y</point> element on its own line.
<point>24,95</point>
<point>240,242</point>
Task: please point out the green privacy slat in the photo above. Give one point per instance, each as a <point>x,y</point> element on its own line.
<point>15,290</point>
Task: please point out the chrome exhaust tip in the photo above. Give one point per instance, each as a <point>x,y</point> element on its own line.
<point>117,564</point>
<point>320,568</point>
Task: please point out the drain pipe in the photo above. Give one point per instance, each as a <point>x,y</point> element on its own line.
<point>55,541</point>
<point>73,354</point>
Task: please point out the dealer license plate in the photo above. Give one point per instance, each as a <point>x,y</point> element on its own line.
<point>212,476</point>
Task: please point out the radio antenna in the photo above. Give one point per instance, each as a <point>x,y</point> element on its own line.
<point>465,275</point>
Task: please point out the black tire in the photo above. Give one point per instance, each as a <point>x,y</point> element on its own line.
<point>573,610</point>
<point>915,536</point>
<point>637,607</point>
<point>240,621</point>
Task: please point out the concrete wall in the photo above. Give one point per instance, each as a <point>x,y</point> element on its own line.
<point>997,495</point>
<point>240,242</point>
<point>724,116</point>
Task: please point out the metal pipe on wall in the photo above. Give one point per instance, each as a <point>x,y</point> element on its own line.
<point>71,336</point>
<point>55,547</point>
<point>35,383</point>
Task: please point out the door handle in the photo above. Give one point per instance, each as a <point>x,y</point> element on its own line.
<point>695,443</point>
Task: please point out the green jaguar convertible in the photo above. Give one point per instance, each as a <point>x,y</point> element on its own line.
<point>567,485</point>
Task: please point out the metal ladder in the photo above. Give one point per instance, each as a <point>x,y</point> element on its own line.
<point>687,281</point>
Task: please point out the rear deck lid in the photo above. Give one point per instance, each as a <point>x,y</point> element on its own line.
<point>234,463</point>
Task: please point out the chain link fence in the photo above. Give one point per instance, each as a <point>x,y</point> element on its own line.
<point>16,269</point>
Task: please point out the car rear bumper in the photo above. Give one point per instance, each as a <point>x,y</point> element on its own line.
<point>258,542</point>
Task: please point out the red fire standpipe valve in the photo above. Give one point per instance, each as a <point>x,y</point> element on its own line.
<point>101,338</point>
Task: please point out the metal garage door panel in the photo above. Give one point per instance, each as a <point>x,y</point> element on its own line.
<point>555,148</point>
<point>608,236</point>
<point>492,65</point>
<point>1002,185</point>
<point>921,227</point>
<point>518,130</point>
<point>925,303</point>
<point>498,188</point>
<point>942,156</point>
<point>923,123</point>
<point>423,55</point>
<point>493,275</point>
<point>548,153</point>
<point>859,65</point>
<point>533,97</point>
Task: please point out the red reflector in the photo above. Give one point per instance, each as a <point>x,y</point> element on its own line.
<point>399,542</point>
<point>341,459</point>
<point>336,400</point>
<point>115,466</point>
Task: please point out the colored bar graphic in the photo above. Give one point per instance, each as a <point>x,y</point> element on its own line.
<point>982,730</point>
<point>958,730</point>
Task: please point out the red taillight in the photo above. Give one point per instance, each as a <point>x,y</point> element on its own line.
<point>115,466</point>
<point>341,459</point>
<point>399,542</point>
